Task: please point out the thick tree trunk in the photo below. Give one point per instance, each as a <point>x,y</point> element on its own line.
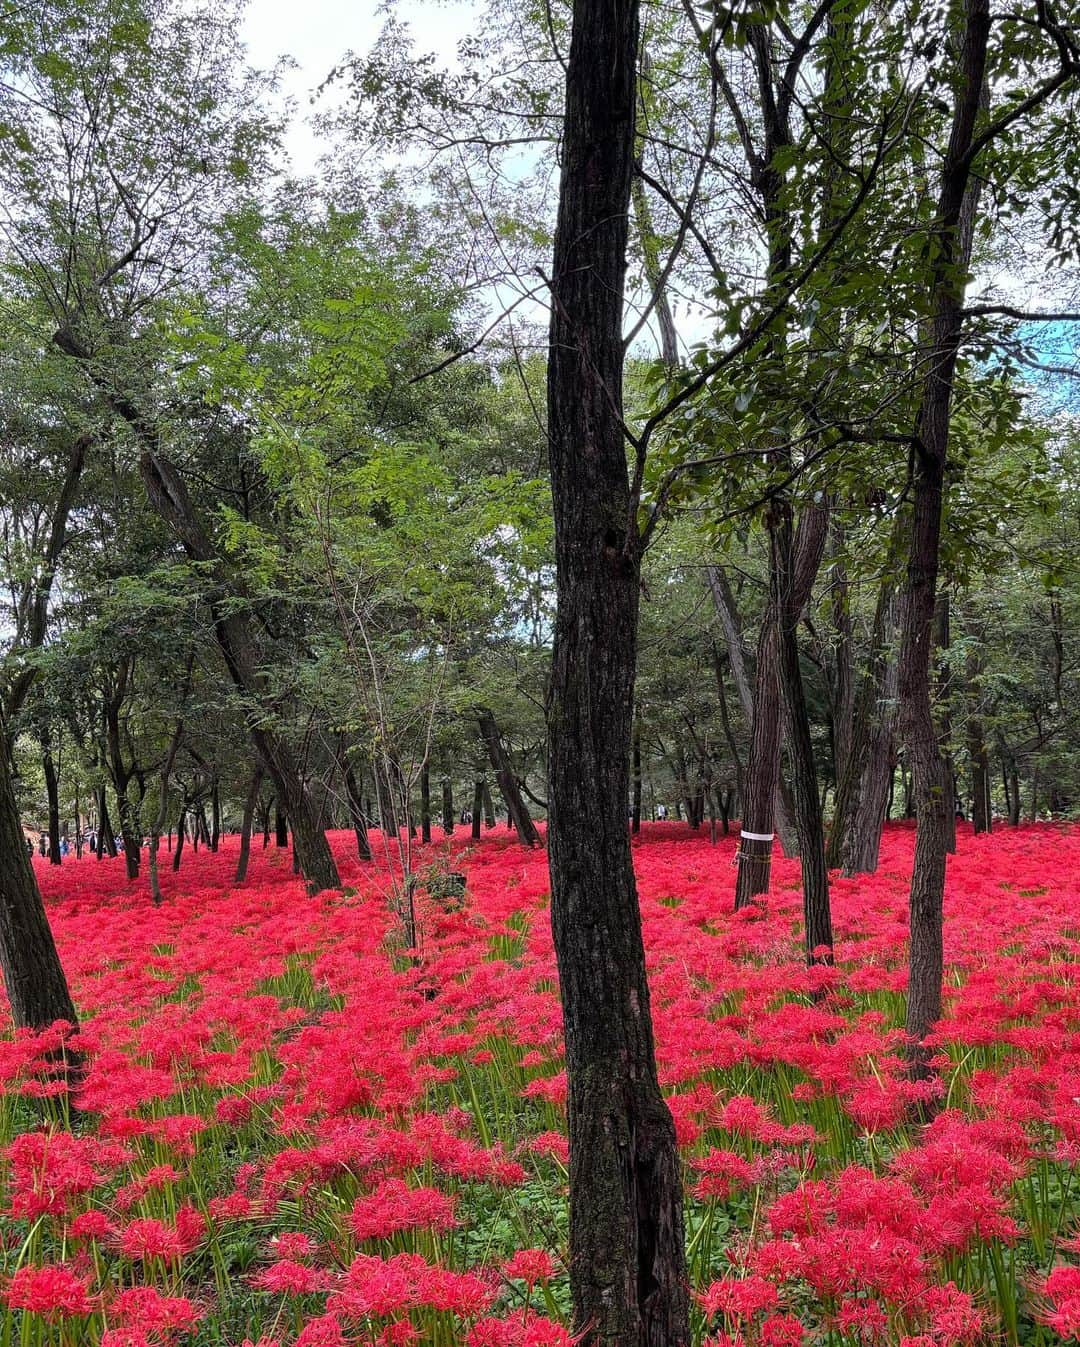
<point>129,831</point>
<point>761,773</point>
<point>33,976</point>
<point>281,827</point>
<point>516,808</point>
<point>627,1264</point>
<point>447,808</point>
<point>251,801</point>
<point>933,799</point>
<point>489,807</point>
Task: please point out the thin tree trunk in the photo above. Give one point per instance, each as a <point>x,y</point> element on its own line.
<point>354,795</point>
<point>215,816</point>
<point>489,807</point>
<point>250,803</point>
<point>635,807</point>
<point>425,801</point>
<point>628,1276</point>
<point>52,791</point>
<point>503,768</point>
<point>281,827</point>
<point>477,809</point>
<point>447,808</point>
<point>181,835</point>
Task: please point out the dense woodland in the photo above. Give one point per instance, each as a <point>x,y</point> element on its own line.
<point>653,410</point>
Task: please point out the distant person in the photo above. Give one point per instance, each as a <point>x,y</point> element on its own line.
<point>64,847</point>
<point>30,847</point>
<point>661,812</point>
<point>42,844</point>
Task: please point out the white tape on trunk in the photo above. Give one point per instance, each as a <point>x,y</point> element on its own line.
<point>757,837</point>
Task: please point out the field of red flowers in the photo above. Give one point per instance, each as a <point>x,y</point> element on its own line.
<point>291,1135</point>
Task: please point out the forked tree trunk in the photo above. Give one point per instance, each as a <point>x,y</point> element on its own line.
<point>628,1277</point>
<point>33,976</point>
<point>516,808</point>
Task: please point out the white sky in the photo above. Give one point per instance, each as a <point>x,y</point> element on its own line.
<point>317,33</point>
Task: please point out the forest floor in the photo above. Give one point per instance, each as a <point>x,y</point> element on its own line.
<point>289,1133</point>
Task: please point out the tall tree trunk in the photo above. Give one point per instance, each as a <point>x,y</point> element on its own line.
<point>232,628</point>
<point>447,808</point>
<point>817,918</point>
<point>52,792</point>
<point>33,976</point>
<point>356,813</point>
<point>163,792</point>
<point>863,788</point>
<point>106,840</point>
<point>477,809</point>
<point>635,807</point>
<point>281,826</point>
<point>765,687</point>
<point>425,801</point>
<point>506,777</point>
<point>251,801</point>
<point>489,807</point>
<point>933,801</point>
<point>215,815</point>
<point>181,835</point>
<point>941,698</point>
<point>628,1276</point>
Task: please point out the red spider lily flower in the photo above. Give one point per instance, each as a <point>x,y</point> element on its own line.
<point>50,1290</point>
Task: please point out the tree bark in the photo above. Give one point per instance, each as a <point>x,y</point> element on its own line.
<point>447,808</point>
<point>765,689</point>
<point>933,803</point>
<point>251,801</point>
<point>181,835</point>
<point>628,1276</point>
<point>817,917</point>
<point>477,809</point>
<point>425,801</point>
<point>52,792</point>
<point>232,628</point>
<point>635,807</point>
<point>356,813</point>
<point>506,777</point>
<point>33,976</point>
